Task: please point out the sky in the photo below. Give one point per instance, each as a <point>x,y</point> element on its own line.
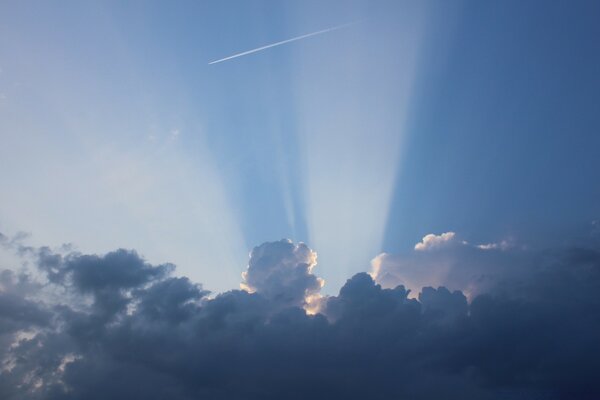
<point>418,117</point>
<point>430,144</point>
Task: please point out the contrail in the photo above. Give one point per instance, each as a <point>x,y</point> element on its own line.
<point>282,42</point>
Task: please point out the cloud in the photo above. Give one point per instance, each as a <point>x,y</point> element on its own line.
<point>502,245</point>
<point>282,272</point>
<point>82,326</point>
<point>444,260</point>
<point>433,241</point>
<point>174,134</point>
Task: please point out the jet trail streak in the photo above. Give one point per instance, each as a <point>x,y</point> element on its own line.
<point>281,42</point>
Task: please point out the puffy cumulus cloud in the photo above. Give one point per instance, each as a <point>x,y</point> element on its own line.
<point>162,337</point>
<point>432,241</point>
<point>282,271</point>
<point>444,260</point>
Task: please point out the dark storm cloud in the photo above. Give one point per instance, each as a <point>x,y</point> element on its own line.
<point>114,326</point>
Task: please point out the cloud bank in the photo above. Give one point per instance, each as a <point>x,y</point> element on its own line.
<point>447,260</point>
<point>77,326</point>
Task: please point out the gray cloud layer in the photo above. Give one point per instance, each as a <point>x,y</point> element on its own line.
<point>115,327</point>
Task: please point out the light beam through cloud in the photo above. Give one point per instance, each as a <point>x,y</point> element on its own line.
<point>351,125</point>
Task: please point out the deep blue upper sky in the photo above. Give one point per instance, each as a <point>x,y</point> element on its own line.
<point>477,117</point>
<point>504,137</point>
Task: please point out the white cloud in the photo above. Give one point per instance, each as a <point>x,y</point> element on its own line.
<point>283,271</point>
<point>503,245</point>
<point>433,241</point>
<point>455,264</point>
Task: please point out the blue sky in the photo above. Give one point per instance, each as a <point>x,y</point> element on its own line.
<point>421,117</point>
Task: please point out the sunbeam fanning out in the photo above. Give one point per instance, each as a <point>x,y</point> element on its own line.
<point>170,169</point>
<point>351,117</point>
